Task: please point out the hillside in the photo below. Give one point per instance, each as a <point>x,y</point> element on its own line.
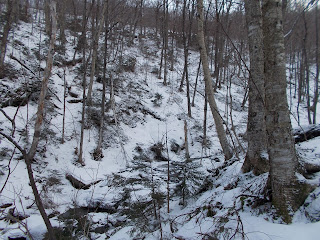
<point>125,194</point>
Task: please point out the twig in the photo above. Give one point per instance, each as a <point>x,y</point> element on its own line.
<point>21,63</point>
<point>9,171</point>
<point>10,119</point>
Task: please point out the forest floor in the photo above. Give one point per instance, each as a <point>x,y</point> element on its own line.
<point>144,135</point>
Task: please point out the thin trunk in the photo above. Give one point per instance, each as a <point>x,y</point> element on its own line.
<point>168,175</point>
<point>95,51</point>
<point>316,87</point>
<point>62,22</point>
<point>217,49</point>
<point>84,83</point>
<point>306,63</point>
<point>40,115</point>
<point>161,59</point>
<point>188,93</point>
<point>209,89</point>
<point>98,149</point>
<point>196,84</point>
<point>47,18</point>
<point>11,11</point>
<point>186,144</point>
<point>205,113</point>
<point>184,40</point>
<point>165,35</point>
<point>64,103</point>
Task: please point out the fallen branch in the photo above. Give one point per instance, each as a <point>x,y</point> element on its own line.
<point>21,63</point>
<point>307,133</point>
<point>78,184</point>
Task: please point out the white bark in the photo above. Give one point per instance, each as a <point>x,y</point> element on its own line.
<point>287,192</point>
<point>209,88</point>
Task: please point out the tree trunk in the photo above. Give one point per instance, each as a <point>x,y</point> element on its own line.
<point>208,87</point>
<point>10,14</point>
<point>287,192</point>
<point>316,85</point>
<point>47,18</point>
<point>62,22</point>
<point>256,158</point>
<point>195,85</point>
<point>64,104</point>
<point>95,51</point>
<point>84,82</point>
<point>306,63</point>
<point>103,98</point>
<point>205,111</point>
<point>165,41</point>
<point>37,128</point>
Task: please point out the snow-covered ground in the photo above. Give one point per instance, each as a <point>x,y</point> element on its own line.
<point>131,198</point>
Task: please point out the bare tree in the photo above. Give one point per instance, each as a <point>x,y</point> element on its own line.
<point>95,50</point>
<point>84,81</point>
<point>256,158</point>
<point>316,87</point>
<point>288,193</point>
<point>209,88</point>
<point>29,155</point>
<point>9,18</point>
<point>98,151</point>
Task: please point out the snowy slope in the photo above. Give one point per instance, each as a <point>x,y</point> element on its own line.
<point>130,200</point>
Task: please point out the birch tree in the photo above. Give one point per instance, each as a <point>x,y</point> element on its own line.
<point>288,193</point>
<point>209,88</point>
<point>256,158</point>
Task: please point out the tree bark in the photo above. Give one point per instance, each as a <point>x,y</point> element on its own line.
<point>316,87</point>
<point>40,115</point>
<point>95,50</point>
<point>84,82</point>
<point>165,41</point>
<point>256,158</point>
<point>47,18</point>
<point>208,86</point>
<point>11,10</point>
<point>103,98</point>
<point>287,192</point>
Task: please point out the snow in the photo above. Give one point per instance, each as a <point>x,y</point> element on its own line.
<point>194,220</point>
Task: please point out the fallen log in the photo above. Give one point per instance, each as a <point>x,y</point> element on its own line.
<point>306,133</point>
<point>75,101</point>
<point>311,168</point>
<point>78,184</point>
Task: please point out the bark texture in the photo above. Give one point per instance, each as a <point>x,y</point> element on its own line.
<point>209,88</point>
<point>256,158</point>
<point>287,192</point>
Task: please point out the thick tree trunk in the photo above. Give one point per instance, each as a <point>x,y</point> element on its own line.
<point>287,192</point>
<point>208,86</point>
<point>256,158</point>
